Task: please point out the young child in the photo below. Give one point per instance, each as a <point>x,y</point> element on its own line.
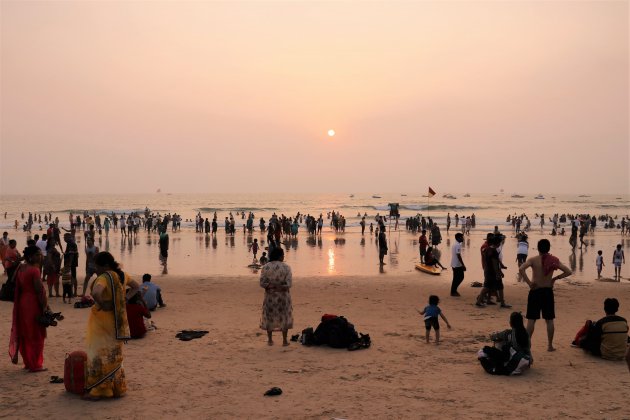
<point>599,261</point>
<point>431,312</point>
<point>263,258</point>
<point>255,249</point>
<point>66,283</point>
<point>371,228</point>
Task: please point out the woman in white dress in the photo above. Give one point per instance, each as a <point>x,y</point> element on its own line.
<point>277,312</point>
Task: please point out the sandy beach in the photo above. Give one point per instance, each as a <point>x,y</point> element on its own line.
<point>225,373</point>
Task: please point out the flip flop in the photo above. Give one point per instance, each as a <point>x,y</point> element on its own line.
<point>56,380</point>
<point>273,391</point>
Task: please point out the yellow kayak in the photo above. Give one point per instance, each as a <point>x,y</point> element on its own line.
<point>429,269</point>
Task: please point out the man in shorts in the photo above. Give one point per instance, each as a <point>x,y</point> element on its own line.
<point>540,297</point>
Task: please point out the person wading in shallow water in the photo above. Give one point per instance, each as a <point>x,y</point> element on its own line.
<point>382,245</point>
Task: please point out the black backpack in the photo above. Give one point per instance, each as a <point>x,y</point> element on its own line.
<point>337,333</point>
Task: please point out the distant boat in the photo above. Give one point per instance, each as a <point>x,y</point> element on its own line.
<point>466,195</point>
<point>583,195</point>
<point>540,197</point>
<point>376,196</point>
<point>517,196</point>
<point>449,196</point>
<point>403,195</point>
<point>351,195</point>
<point>159,190</point>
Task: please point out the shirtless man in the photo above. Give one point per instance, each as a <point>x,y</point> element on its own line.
<point>540,297</point>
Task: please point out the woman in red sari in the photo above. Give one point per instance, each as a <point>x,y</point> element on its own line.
<point>27,334</point>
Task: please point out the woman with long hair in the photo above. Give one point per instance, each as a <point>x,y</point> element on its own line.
<point>30,303</point>
<point>511,353</point>
<point>107,329</point>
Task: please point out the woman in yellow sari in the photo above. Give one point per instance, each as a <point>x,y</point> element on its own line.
<point>107,330</point>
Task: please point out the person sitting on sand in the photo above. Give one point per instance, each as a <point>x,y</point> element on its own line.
<point>263,259</point>
<point>151,293</point>
<point>431,260</point>
<point>136,312</point>
<point>607,337</point>
<point>511,353</point>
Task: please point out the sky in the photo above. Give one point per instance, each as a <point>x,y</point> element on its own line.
<point>128,97</point>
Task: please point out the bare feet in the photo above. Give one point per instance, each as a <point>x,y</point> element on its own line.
<point>41,369</point>
<point>551,348</point>
<point>285,343</point>
<point>270,343</point>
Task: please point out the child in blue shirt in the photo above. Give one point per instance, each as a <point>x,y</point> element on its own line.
<point>431,312</point>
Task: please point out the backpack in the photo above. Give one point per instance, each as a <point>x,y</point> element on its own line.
<point>7,292</point>
<point>336,332</point>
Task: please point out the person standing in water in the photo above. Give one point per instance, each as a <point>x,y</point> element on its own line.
<point>382,245</point>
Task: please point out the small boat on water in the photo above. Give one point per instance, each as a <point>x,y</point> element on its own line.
<point>449,196</point>
<point>540,197</point>
<point>517,196</point>
<point>466,195</point>
<point>351,195</point>
<point>376,196</point>
<point>583,195</point>
<point>403,195</point>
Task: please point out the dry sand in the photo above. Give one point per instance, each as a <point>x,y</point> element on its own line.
<point>225,373</point>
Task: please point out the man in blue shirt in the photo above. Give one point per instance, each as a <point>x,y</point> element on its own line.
<point>151,293</point>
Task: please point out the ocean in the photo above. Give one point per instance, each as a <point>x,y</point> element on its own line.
<point>348,253</point>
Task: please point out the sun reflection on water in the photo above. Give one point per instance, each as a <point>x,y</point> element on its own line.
<point>331,261</point>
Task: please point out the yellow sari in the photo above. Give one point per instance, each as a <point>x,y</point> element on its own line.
<point>105,335</point>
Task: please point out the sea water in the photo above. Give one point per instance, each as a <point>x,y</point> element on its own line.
<point>332,253</point>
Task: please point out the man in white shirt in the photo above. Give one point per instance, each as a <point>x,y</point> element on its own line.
<point>457,264</point>
<point>41,244</point>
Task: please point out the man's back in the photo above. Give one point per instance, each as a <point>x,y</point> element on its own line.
<point>538,276</point>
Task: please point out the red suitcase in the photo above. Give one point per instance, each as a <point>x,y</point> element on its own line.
<point>74,372</point>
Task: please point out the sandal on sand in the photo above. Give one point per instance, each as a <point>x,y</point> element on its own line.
<point>56,380</point>
<point>273,391</point>
<point>187,335</point>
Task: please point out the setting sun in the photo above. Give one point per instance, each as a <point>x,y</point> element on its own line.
<point>331,133</point>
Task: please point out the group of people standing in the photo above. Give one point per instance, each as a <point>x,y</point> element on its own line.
<point>108,325</point>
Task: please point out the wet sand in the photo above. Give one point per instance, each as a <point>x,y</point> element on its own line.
<point>225,373</point>
<point>331,254</point>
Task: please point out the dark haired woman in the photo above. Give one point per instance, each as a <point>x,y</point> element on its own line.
<point>511,354</point>
<point>107,329</point>
<point>27,334</point>
<point>277,313</point>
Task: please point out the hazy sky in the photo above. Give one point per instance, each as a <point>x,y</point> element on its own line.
<point>115,96</point>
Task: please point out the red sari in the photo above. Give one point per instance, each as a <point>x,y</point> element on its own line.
<point>27,335</point>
